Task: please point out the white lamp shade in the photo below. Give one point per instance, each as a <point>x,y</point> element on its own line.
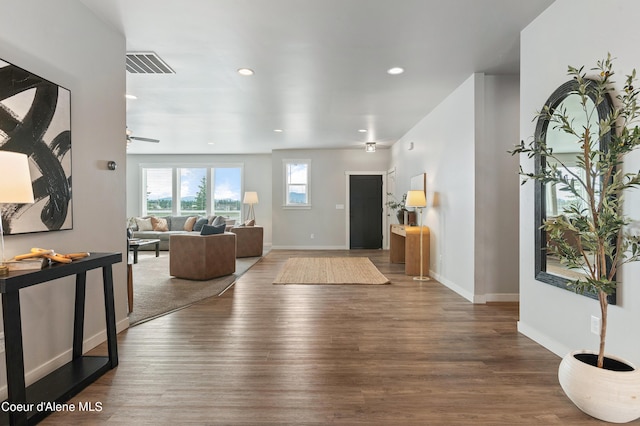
<point>15,179</point>
<point>250,197</point>
<point>416,198</point>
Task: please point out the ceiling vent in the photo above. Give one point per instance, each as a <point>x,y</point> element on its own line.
<point>147,63</point>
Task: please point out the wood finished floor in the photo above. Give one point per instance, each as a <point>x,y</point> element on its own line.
<point>263,354</point>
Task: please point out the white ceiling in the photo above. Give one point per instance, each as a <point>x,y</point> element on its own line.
<point>320,67</point>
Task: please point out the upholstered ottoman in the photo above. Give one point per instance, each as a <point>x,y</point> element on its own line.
<point>202,257</point>
<point>248,240</point>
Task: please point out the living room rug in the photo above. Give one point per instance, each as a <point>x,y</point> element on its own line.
<point>330,270</point>
<point>157,293</point>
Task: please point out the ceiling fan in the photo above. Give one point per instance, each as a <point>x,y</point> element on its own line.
<point>131,138</point>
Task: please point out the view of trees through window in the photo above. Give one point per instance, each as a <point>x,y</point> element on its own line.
<point>159,201</point>
<point>198,191</point>
<point>226,192</point>
<point>297,182</point>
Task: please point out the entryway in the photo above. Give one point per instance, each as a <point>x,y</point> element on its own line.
<point>366,211</point>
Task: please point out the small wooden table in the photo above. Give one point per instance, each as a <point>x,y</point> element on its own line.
<point>404,247</point>
<point>134,245</point>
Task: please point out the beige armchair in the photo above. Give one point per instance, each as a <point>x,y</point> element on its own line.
<point>249,240</point>
<point>202,257</point>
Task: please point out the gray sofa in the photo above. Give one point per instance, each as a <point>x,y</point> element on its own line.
<point>175,226</point>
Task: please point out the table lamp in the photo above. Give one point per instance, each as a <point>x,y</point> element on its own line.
<point>15,188</point>
<point>251,198</point>
<point>418,199</point>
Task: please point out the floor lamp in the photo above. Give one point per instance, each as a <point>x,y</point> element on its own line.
<point>418,199</point>
<point>15,188</point>
<point>251,198</point>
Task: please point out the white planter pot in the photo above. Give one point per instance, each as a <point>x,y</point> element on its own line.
<point>612,396</point>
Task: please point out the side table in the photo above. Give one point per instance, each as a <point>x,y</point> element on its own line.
<point>134,245</point>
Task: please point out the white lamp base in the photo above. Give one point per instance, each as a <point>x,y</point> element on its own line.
<point>422,278</point>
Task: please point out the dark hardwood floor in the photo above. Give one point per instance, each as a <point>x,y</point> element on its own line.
<point>405,353</point>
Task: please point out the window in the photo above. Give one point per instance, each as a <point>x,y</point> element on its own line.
<point>226,192</point>
<point>297,187</point>
<point>193,191</point>
<point>197,191</point>
<point>558,200</point>
<point>158,192</point>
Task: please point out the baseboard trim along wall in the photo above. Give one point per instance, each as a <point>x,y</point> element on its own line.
<point>542,339</point>
<point>307,248</point>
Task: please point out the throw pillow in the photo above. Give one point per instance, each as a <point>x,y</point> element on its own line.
<point>131,224</point>
<point>211,229</point>
<point>144,224</point>
<point>251,222</point>
<point>219,220</point>
<point>159,224</point>
<point>200,223</point>
<point>188,225</point>
<point>210,219</point>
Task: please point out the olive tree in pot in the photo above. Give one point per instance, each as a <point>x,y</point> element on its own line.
<point>601,238</point>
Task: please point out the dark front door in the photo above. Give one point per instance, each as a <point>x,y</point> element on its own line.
<point>365,208</point>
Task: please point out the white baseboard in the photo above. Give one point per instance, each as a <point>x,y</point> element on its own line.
<point>476,298</point>
<point>502,297</point>
<point>308,248</point>
<point>543,340</point>
<point>453,286</point>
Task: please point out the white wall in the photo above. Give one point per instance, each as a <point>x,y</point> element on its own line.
<point>257,177</point>
<point>575,32</point>
<point>63,42</point>
<point>496,224</point>
<point>443,148</point>
<point>293,228</point>
<point>462,145</point>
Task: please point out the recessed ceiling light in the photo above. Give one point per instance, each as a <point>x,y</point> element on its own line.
<point>278,130</point>
<point>211,143</point>
<point>370,147</point>
<point>130,97</point>
<point>395,70</point>
<point>362,130</point>
<point>245,71</point>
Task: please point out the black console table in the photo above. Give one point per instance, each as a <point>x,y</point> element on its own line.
<point>65,382</point>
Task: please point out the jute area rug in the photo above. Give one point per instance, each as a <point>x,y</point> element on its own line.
<point>157,293</point>
<point>330,270</point>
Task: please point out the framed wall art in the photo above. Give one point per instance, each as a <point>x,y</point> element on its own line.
<point>35,119</point>
<point>419,182</point>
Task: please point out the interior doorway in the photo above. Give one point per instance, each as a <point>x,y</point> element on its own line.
<point>366,212</point>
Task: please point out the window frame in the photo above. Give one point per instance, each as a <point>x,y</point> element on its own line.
<point>291,161</point>
<point>175,185</point>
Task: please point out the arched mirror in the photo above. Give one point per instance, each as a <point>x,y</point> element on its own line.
<point>550,201</point>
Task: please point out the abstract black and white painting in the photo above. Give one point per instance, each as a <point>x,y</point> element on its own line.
<point>35,119</point>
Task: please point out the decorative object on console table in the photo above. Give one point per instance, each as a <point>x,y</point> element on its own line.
<point>15,188</point>
<point>251,198</point>
<point>26,264</point>
<point>417,199</point>
<point>394,204</point>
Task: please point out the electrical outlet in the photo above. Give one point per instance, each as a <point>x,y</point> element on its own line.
<point>595,325</point>
<point>313,236</point>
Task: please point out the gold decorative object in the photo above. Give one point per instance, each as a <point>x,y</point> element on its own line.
<point>51,255</point>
